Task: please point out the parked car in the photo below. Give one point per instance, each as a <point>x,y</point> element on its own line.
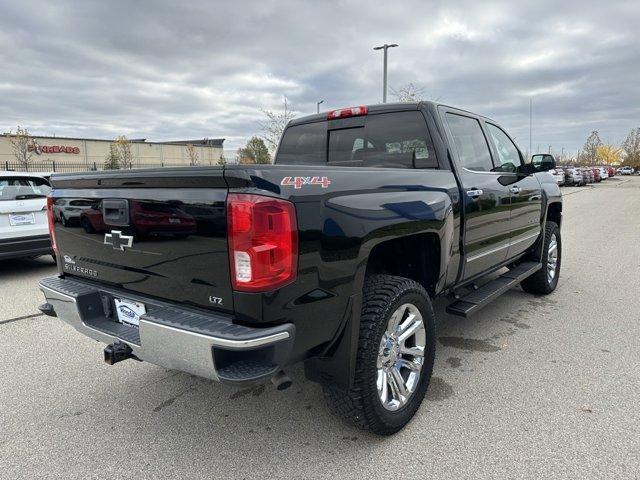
<point>625,170</point>
<point>596,174</point>
<point>604,173</point>
<point>573,176</point>
<point>69,211</point>
<point>330,257</point>
<point>587,175</point>
<point>590,175</point>
<point>24,230</point>
<point>612,171</point>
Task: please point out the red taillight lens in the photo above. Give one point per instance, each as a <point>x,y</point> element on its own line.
<point>263,242</point>
<point>347,112</point>
<point>51,221</point>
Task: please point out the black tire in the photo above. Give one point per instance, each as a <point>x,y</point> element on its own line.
<point>539,282</point>
<point>86,225</point>
<point>382,296</point>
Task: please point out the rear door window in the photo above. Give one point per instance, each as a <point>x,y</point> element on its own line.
<point>304,145</point>
<point>470,143</point>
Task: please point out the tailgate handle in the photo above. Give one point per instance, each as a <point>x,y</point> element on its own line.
<point>115,212</point>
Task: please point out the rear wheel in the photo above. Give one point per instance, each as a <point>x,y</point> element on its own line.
<point>545,280</point>
<point>394,359</point>
<point>86,225</point>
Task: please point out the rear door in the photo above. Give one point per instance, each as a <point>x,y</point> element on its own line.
<point>486,202</point>
<point>526,192</point>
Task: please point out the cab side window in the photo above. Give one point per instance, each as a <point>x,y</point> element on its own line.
<point>470,142</point>
<point>508,153</point>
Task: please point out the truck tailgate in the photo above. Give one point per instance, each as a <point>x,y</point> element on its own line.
<point>157,233</point>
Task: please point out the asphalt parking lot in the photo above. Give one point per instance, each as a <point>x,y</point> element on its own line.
<point>532,387</point>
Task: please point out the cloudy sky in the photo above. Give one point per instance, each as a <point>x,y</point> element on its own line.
<point>171,70</point>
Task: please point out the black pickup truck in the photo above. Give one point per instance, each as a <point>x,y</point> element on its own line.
<point>330,257</point>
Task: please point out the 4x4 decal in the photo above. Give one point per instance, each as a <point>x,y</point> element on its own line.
<point>298,182</point>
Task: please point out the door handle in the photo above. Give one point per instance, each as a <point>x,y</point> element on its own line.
<point>475,193</point>
<point>515,189</point>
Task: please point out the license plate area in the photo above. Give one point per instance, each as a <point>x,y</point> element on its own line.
<point>129,311</point>
<point>16,219</point>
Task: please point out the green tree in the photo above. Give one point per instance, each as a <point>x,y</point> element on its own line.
<point>222,161</point>
<point>112,160</point>
<point>255,151</point>
<point>631,147</point>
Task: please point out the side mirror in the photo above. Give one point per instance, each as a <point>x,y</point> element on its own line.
<point>543,162</point>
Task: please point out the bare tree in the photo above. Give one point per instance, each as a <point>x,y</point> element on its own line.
<point>23,146</point>
<point>192,153</point>
<point>408,93</point>
<point>274,125</point>
<point>125,155</point>
<point>631,147</point>
<point>562,159</point>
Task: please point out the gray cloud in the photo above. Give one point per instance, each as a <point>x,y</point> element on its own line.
<point>166,70</point>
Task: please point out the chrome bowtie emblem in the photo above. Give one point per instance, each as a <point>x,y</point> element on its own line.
<point>117,240</point>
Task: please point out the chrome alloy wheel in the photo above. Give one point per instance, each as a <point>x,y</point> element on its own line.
<point>552,258</point>
<point>400,357</point>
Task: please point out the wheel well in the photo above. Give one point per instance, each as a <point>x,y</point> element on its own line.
<point>416,257</point>
<point>554,213</point>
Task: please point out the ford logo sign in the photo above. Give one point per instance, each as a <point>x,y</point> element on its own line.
<point>127,312</point>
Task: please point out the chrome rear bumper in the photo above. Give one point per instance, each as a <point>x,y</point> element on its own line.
<point>204,344</point>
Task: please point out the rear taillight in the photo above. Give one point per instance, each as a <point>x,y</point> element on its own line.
<point>51,221</point>
<point>347,112</point>
<point>263,242</point>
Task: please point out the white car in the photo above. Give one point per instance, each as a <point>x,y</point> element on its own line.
<point>24,231</point>
<point>625,170</point>
<point>68,212</point>
<point>604,173</point>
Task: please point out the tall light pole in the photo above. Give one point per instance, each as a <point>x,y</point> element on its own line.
<point>385,47</point>
<point>530,123</point>
<point>318,106</point>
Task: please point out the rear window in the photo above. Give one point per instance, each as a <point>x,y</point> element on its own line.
<point>23,188</point>
<point>385,140</point>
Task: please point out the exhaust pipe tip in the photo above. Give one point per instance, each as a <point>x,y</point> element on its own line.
<point>281,381</point>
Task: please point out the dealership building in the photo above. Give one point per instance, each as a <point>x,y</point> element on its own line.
<point>76,154</point>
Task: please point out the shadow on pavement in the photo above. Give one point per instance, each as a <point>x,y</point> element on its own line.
<point>16,268</point>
